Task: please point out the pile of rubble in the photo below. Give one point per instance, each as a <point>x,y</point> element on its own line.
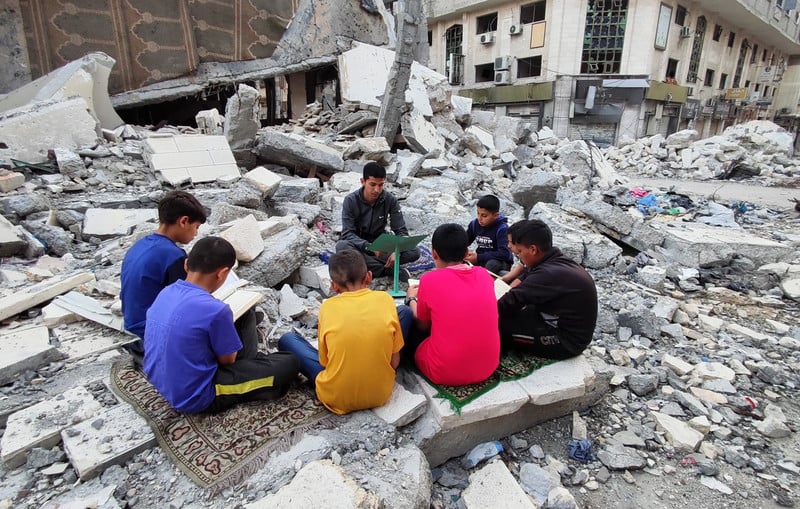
<point>758,148</point>
<point>698,334</point>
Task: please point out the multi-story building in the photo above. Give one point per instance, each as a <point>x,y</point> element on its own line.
<point>601,69</point>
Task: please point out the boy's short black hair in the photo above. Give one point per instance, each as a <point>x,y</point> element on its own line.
<point>489,202</point>
<point>373,169</point>
<point>347,268</point>
<point>176,204</point>
<point>531,232</point>
<point>210,254</point>
<point>450,242</point>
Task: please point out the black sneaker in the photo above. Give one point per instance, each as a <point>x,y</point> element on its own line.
<point>404,275</point>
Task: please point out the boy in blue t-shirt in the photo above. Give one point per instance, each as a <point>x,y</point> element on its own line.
<point>490,231</point>
<point>156,261</point>
<point>193,354</point>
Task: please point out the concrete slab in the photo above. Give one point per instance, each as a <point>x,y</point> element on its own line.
<point>12,241</point>
<point>54,315</point>
<point>441,434</point>
<point>25,349</point>
<point>560,381</point>
<point>494,486</point>
<point>317,277</point>
<point>264,180</point>
<point>693,245</point>
<point>290,305</point>
<point>168,160</point>
<point>420,134</point>
<point>245,236</point>
<point>176,177</point>
<point>293,149</point>
<point>106,223</point>
<point>110,438</point>
<point>403,407</point>
<point>41,292</point>
<point>40,425</point>
<point>318,484</point>
<point>505,399</point>
<point>91,309</point>
<point>212,173</point>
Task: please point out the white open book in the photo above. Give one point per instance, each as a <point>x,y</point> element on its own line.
<point>500,288</point>
<point>239,300</point>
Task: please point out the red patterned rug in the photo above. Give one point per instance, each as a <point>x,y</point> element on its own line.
<point>219,451</point>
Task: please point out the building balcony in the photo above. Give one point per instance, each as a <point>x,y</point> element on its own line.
<point>773,25</point>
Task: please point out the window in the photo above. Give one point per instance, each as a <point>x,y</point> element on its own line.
<point>737,75</point>
<point>697,49</point>
<point>747,84</point>
<point>773,91</point>
<point>672,69</point>
<point>717,32</point>
<point>766,91</point>
<point>680,15</point>
<point>709,81</point>
<point>484,72</point>
<point>755,88</point>
<point>529,67</point>
<point>754,55</point>
<point>430,38</point>
<point>731,39</point>
<point>764,56</point>
<point>604,36</point>
<point>454,57</point>
<point>486,23</point>
<point>532,13</point>
<point>723,79</point>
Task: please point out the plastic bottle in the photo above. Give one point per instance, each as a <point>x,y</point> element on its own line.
<point>481,452</point>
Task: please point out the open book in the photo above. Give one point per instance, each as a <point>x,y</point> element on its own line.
<point>500,288</point>
<point>238,300</point>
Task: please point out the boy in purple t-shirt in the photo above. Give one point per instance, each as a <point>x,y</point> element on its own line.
<point>193,354</point>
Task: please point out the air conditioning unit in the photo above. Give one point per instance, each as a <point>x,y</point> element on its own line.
<point>515,29</point>
<point>502,63</point>
<point>502,78</point>
<point>487,38</point>
<point>686,32</point>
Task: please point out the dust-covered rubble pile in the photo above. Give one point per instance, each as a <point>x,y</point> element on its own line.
<point>698,322</point>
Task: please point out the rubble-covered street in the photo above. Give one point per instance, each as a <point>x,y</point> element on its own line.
<point>697,344</point>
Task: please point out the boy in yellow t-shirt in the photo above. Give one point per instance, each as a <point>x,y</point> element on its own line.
<point>360,338</point>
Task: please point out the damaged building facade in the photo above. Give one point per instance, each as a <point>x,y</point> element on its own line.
<point>601,69</point>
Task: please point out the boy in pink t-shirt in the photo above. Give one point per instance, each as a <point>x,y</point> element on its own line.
<point>457,305</point>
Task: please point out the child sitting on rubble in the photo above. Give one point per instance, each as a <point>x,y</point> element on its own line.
<point>456,310</point>
<point>489,229</point>
<point>360,336</point>
<point>194,355</point>
<point>156,261</point>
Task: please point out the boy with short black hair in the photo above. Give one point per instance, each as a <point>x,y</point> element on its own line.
<point>360,336</point>
<point>551,309</point>
<point>193,354</point>
<point>156,261</point>
<point>365,215</point>
<point>456,309</point>
<point>489,229</point>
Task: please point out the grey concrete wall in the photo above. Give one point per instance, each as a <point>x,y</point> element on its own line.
<point>14,68</point>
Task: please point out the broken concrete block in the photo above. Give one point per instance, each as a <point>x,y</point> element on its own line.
<point>209,122</point>
<point>241,117</point>
<point>24,204</point>
<point>40,425</point>
<point>264,180</point>
<point>558,381</point>
<point>372,149</point>
<point>12,241</point>
<point>295,150</point>
<point>90,309</point>
<point>279,259</point>
<point>107,223</point>
<point>420,134</point>
<point>11,180</point>
<point>356,121</point>
<point>41,292</point>
<point>346,182</point>
<point>534,186</point>
<point>245,236</point>
<point>109,438</point>
<point>30,131</point>
<point>318,484</point>
<point>403,407</point>
<point>297,190</point>
<point>679,366</point>
<point>492,484</point>
<point>291,305</point>
<point>25,349</point>
<point>69,163</point>
<point>510,132</point>
<point>678,433</point>
<point>56,239</point>
<point>462,108</point>
<point>54,315</point>
<point>316,277</point>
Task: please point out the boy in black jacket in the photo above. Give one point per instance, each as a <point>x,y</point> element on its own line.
<point>551,309</point>
<point>490,230</point>
<point>365,214</point>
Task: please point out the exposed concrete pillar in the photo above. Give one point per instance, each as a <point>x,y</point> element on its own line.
<point>562,99</point>
<point>409,18</point>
